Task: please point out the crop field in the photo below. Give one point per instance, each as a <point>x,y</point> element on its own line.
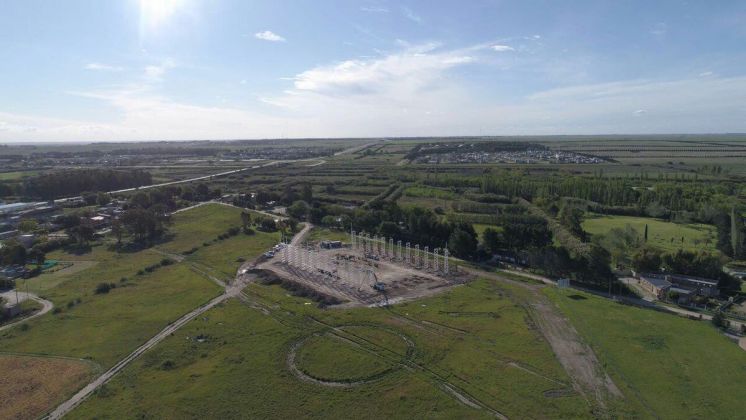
<point>667,366</point>
<point>661,234</point>
<point>281,357</point>
<point>29,385</point>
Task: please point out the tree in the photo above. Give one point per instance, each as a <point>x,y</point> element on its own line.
<point>571,217</point>
<point>245,219</point>
<point>27,225</point>
<point>202,191</point>
<point>646,259</point>
<point>117,230</point>
<point>492,240</point>
<point>462,243</point>
<point>82,234</point>
<point>719,320</point>
<point>12,252</point>
<point>298,209</point>
<point>37,255</point>
<point>735,232</point>
<point>307,193</point>
<point>89,198</point>
<point>103,198</point>
<point>268,225</point>
<point>389,230</point>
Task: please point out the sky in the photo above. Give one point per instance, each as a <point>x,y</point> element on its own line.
<point>125,70</point>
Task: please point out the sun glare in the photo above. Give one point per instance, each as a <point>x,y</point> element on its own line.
<point>154,13</point>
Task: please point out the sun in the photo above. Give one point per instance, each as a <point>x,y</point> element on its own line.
<point>154,13</point>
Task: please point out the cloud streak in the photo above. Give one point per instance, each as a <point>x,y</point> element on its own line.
<point>102,67</point>
<point>269,36</point>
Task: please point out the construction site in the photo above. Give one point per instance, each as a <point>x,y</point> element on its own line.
<point>367,270</point>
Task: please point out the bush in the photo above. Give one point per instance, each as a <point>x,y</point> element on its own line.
<point>167,261</point>
<point>102,288</point>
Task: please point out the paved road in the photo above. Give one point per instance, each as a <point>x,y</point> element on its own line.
<point>357,148</point>
<point>10,296</point>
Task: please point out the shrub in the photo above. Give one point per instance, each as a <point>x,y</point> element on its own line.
<point>167,261</point>
<point>102,288</point>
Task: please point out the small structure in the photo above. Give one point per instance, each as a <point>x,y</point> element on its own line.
<point>660,284</point>
<point>330,244</point>
<point>655,284</point>
<point>563,283</point>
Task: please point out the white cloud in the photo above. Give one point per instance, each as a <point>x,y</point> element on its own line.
<point>155,72</point>
<point>102,67</point>
<point>374,9</point>
<point>409,14</point>
<point>706,74</point>
<point>502,48</point>
<point>269,36</point>
<point>411,70</point>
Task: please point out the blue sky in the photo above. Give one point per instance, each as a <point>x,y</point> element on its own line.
<point>229,69</point>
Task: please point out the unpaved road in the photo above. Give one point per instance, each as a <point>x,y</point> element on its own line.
<point>84,393</point>
<point>10,296</point>
<point>575,356</point>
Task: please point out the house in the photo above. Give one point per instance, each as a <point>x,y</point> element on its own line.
<point>682,296</point>
<point>700,286</point>
<point>660,283</point>
<point>655,284</point>
<point>94,222</point>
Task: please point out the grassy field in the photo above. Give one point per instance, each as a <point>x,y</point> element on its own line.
<point>667,366</point>
<point>661,234</point>
<point>30,385</point>
<point>204,223</point>
<point>321,234</point>
<point>480,228</point>
<point>106,327</point>
<point>233,362</point>
<point>200,225</point>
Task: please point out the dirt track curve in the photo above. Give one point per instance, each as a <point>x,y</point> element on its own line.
<point>46,307</point>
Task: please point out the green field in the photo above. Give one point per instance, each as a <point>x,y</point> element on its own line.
<point>661,234</point>
<point>233,362</point>
<point>326,234</point>
<point>667,366</point>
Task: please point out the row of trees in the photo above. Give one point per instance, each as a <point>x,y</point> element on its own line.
<point>74,182</point>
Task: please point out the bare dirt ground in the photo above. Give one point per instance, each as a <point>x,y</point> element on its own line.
<point>29,385</point>
<point>400,281</point>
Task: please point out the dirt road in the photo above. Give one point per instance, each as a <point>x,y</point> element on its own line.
<point>11,297</point>
<point>575,356</point>
<point>81,395</point>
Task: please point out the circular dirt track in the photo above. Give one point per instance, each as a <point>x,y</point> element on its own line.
<point>349,355</point>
